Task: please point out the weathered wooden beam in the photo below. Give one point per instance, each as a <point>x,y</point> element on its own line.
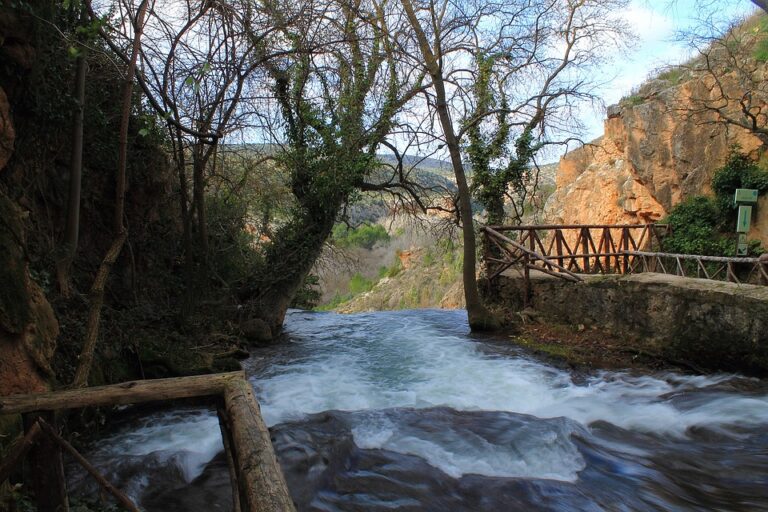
<point>226,437</point>
<point>260,480</point>
<point>721,259</point>
<point>530,255</point>
<point>133,392</point>
<point>526,227</point>
<point>46,468</point>
<point>121,498</point>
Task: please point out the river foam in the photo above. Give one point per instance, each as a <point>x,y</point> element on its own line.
<point>412,359</point>
<point>417,383</point>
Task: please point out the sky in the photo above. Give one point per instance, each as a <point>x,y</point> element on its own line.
<point>656,24</point>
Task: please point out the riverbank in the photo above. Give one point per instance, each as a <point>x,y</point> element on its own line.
<point>652,319</point>
<point>592,349</point>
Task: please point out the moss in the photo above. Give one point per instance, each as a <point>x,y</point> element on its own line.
<point>555,351</point>
<point>14,296</point>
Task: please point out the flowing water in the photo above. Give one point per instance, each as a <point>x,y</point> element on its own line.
<point>407,411</point>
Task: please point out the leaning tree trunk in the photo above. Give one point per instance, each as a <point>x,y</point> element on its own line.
<point>288,262</point>
<point>479,317</point>
<point>121,233</point>
<point>72,228</point>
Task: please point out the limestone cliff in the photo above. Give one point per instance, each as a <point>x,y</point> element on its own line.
<point>659,147</point>
<point>28,326</point>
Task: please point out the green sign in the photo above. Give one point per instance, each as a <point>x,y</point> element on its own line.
<point>743,221</point>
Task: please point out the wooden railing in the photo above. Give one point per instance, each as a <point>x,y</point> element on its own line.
<point>735,270</point>
<point>566,251</point>
<point>258,483</point>
<point>581,249</point>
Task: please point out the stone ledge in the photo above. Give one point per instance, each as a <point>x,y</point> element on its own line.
<point>715,325</point>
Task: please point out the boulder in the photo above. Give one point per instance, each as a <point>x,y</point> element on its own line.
<point>256,329</point>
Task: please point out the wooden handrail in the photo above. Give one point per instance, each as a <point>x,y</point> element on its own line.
<point>259,480</point>
<point>134,392</point>
<point>533,254</point>
<point>719,259</point>
<point>601,248</point>
<point>526,227</point>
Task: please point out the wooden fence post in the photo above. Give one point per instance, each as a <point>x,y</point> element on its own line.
<point>261,482</point>
<point>46,467</point>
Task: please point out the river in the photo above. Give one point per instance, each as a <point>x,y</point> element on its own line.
<point>408,411</point>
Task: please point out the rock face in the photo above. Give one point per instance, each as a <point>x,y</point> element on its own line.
<point>28,325</point>
<point>656,151</point>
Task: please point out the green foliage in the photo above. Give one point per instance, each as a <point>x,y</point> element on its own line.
<point>672,75</point>
<point>308,296</point>
<point>392,270</point>
<point>633,100</point>
<point>359,284</point>
<point>429,258</point>
<point>365,236</point>
<point>233,255</point>
<point>703,225</point>
<point>696,229</point>
<point>14,295</point>
<point>760,52</point>
<point>738,172</point>
<point>760,49</point>
<point>495,166</point>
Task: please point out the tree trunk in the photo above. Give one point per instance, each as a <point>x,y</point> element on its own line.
<point>121,234</point>
<point>72,228</point>
<point>261,482</point>
<point>186,222</point>
<point>94,312</point>
<point>198,192</point>
<point>289,260</point>
<point>46,468</point>
<point>479,317</point>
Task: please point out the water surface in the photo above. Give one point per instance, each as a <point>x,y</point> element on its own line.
<point>407,411</point>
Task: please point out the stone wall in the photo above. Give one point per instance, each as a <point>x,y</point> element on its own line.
<point>715,325</point>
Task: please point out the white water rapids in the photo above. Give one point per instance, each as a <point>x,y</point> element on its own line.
<point>372,363</point>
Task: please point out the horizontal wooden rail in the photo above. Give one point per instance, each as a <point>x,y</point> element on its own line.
<point>134,392</point>
<point>526,227</point>
<point>605,249</point>
<point>694,257</point>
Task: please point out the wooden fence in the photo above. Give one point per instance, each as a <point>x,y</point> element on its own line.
<point>258,483</point>
<point>566,251</point>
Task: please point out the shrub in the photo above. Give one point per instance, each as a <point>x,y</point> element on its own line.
<point>308,295</point>
<point>365,236</point>
<point>696,229</point>
<point>233,255</point>
<point>738,172</point>
<point>703,225</point>
<point>359,284</point>
<point>672,75</point>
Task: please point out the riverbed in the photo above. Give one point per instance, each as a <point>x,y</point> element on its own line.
<point>409,411</point>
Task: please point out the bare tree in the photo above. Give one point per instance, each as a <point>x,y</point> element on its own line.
<point>529,49</point>
<point>728,73</point>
